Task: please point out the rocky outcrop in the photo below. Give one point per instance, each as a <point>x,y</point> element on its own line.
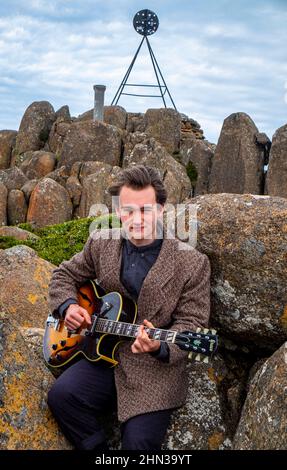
<point>263,421</point>
<point>190,128</point>
<point>238,163</point>
<point>150,152</point>
<point>86,141</point>
<point>35,127</point>
<point>7,142</point>
<point>245,237</point>
<point>276,182</point>
<point>26,423</point>
<point>49,204</point>
<point>24,282</point>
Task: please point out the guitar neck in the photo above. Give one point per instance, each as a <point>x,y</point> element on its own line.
<point>130,330</point>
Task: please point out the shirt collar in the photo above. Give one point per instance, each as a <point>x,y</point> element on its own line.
<point>153,246</point>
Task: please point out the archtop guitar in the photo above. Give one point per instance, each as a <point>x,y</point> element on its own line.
<point>113,319</point>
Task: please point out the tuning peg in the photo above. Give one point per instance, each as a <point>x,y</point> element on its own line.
<point>198,357</point>
<point>206,360</point>
<point>190,355</point>
<point>213,332</point>
<point>205,330</point>
<point>198,329</point>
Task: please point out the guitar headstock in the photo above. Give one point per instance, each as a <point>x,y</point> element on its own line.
<point>201,344</point>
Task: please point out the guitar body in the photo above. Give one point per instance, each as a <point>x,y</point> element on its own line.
<point>61,347</point>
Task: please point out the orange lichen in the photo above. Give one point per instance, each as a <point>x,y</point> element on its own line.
<point>214,376</point>
<point>283,318</point>
<point>32,298</point>
<point>42,275</point>
<point>215,440</point>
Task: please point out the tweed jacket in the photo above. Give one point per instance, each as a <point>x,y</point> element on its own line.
<point>174,295</point>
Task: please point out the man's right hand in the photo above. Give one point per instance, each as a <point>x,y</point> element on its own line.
<point>77,317</point>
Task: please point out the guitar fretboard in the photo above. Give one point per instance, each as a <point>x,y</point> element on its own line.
<point>130,330</point>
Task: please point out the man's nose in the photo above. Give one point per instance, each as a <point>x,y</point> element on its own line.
<point>137,217</point>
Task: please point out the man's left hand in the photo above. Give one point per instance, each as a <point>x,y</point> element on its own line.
<point>143,343</point>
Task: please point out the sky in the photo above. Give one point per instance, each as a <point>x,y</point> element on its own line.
<point>217,57</point>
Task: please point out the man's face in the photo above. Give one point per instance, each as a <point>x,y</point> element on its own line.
<point>139,212</point>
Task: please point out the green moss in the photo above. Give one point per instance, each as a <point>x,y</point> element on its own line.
<point>191,173</point>
<point>60,242</point>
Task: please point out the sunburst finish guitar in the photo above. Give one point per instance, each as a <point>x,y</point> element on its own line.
<point>113,321</point>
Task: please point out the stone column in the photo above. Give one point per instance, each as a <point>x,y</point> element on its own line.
<point>99,102</point>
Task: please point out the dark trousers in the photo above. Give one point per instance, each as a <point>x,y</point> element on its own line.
<point>86,390</point>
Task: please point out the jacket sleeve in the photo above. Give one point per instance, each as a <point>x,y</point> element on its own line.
<point>67,278</point>
<point>193,308</point>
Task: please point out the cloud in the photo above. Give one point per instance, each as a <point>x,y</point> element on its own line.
<point>214,63</point>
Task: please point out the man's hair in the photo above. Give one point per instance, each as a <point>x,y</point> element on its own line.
<point>139,177</point>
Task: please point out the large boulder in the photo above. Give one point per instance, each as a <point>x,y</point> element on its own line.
<point>200,423</point>
<point>7,142</point>
<point>238,163</point>
<point>197,156</point>
<point>39,164</point>
<point>57,134</point>
<point>263,421</point>
<point>116,116</point>
<point>276,181</point>
<point>87,140</point>
<point>174,175</point>
<point>26,422</point>
<point>164,125</point>
<point>95,186</point>
<point>245,237</point>
<point>35,127</point>
<point>16,207</point>
<point>18,233</point>
<point>3,204</point>
<point>49,204</point>
<point>13,178</point>
<point>24,279</point>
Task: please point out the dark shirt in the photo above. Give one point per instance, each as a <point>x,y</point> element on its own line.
<point>135,265</point>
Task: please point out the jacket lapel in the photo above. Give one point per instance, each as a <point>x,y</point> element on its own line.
<point>151,295</point>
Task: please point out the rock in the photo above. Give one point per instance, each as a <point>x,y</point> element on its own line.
<point>151,153</point>
<point>17,233</point>
<point>190,128</point>
<point>95,189</point>
<point>74,189</point>
<point>135,122</point>
<point>3,204</point>
<point>24,283</point>
<point>198,160</point>
<point>263,421</point>
<point>63,112</point>
<point>245,238</point>
<point>57,135</point>
<point>16,207</point>
<point>39,164</point>
<point>35,127</point>
<point>60,175</point>
<point>86,116</point>
<point>7,142</point>
<point>26,423</point>
<point>87,141</point>
<point>13,178</point>
<point>164,125</point>
<point>49,204</point>
<point>277,170</point>
<point>115,116</point>
<point>199,425</point>
<point>28,187</point>
<point>238,163</point>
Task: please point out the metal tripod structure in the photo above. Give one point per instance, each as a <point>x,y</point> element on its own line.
<point>148,25</point>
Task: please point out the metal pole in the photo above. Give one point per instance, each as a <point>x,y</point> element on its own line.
<point>99,102</point>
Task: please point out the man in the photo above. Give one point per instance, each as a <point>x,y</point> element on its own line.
<point>171,285</point>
